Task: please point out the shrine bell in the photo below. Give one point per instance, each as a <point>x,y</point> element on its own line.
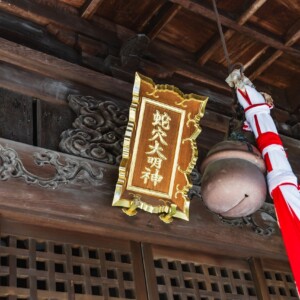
<point>233,182</point>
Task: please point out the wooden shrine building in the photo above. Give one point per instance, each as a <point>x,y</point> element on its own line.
<point>66,76</point>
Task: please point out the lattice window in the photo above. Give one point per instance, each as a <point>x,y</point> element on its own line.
<point>180,280</point>
<point>280,284</point>
<point>43,269</point>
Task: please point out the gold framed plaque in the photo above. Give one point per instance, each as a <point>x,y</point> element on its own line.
<point>159,150</point>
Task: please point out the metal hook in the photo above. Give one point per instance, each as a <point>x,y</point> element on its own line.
<point>239,66</point>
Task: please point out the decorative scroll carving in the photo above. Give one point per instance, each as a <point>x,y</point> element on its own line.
<point>99,130</point>
<point>263,221</point>
<point>71,171</point>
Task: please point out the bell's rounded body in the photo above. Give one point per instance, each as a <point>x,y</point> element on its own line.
<point>233,182</point>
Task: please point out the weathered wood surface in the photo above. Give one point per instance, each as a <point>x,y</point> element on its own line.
<point>89,8</point>
<point>216,43</point>
<point>42,14</point>
<point>208,13</point>
<point>16,117</point>
<point>88,208</point>
<point>176,23</point>
<point>45,64</point>
<point>47,88</point>
<point>35,36</point>
<point>52,120</point>
<point>51,79</point>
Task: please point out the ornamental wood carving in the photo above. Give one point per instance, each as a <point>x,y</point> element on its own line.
<point>262,222</point>
<point>69,171</point>
<point>159,150</point>
<point>98,130</point>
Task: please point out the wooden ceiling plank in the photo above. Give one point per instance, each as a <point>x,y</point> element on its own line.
<point>151,14</point>
<point>265,65</point>
<point>165,17</point>
<point>206,55</point>
<point>255,57</point>
<point>213,47</point>
<point>293,34</point>
<point>292,37</point>
<point>90,8</point>
<point>258,36</point>
<point>256,5</point>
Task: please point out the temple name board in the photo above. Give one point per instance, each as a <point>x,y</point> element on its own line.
<point>159,150</point>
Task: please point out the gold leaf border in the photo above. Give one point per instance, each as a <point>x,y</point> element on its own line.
<point>121,183</point>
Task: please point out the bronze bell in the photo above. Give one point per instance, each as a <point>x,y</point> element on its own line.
<point>233,182</point>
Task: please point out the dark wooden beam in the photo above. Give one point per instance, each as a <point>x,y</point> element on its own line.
<point>90,8</point>
<point>164,16</point>
<point>40,86</point>
<point>88,209</point>
<point>200,9</point>
<point>38,75</point>
<point>44,15</point>
<point>215,44</point>
<point>292,37</point>
<point>34,36</point>
<point>56,68</point>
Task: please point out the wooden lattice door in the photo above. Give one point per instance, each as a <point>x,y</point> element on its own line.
<point>183,275</point>
<point>279,280</point>
<point>44,264</point>
<point>40,263</point>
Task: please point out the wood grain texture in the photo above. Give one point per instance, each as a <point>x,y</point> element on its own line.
<point>90,8</point>
<point>263,38</point>
<point>52,90</point>
<point>19,122</point>
<point>88,209</point>
<point>291,38</point>
<point>48,65</point>
<point>43,15</point>
<point>131,14</point>
<point>259,278</point>
<point>162,19</point>
<point>216,43</point>
<point>52,120</point>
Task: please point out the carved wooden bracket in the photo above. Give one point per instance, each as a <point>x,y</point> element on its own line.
<point>70,171</point>
<point>263,221</point>
<point>98,130</point>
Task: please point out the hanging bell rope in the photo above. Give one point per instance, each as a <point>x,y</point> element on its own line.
<point>230,67</point>
<point>226,54</point>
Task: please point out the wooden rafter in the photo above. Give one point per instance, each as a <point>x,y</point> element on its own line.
<point>165,15</point>
<point>144,23</point>
<point>255,57</point>
<point>258,36</point>
<point>44,15</point>
<point>215,42</point>
<point>292,37</point>
<point>90,8</point>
